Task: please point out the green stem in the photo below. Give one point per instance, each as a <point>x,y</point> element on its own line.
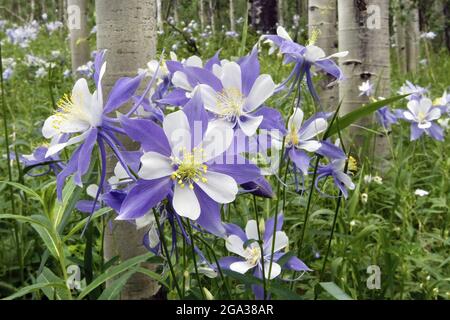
<point>195,259</point>
<point>166,253</point>
<point>8,159</point>
<point>260,242</point>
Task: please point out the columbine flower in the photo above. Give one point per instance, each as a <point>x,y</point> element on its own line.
<point>415,92</point>
<point>38,159</point>
<point>305,58</point>
<point>366,88</point>
<point>85,115</point>
<point>250,254</point>
<point>301,138</point>
<point>335,169</point>
<point>421,193</point>
<point>179,161</point>
<point>386,118</point>
<point>53,26</point>
<point>421,114</point>
<point>232,92</point>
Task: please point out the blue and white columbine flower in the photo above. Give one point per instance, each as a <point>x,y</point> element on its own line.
<point>250,257</point>
<point>422,116</point>
<point>366,88</point>
<point>179,162</point>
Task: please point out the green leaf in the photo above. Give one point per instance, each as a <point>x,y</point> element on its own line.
<point>27,190</point>
<point>114,271</point>
<point>335,291</point>
<point>61,207</point>
<point>345,121</point>
<point>47,276</point>
<point>113,290</point>
<point>34,287</point>
<point>44,228</point>
<point>80,225</point>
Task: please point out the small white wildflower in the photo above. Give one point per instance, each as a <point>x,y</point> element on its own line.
<point>421,192</point>
<point>364,197</point>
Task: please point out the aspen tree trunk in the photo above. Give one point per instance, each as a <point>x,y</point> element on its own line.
<point>202,14</point>
<point>400,42</point>
<point>127,29</point>
<point>280,13</point>
<point>364,32</point>
<point>78,32</point>
<point>232,21</point>
<point>159,19</point>
<point>32,8</point>
<point>322,19</point>
<point>412,37</point>
<point>175,11</point>
<point>211,16</point>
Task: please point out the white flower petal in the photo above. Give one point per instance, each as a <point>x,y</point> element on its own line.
<point>154,166</point>
<point>310,145</point>
<point>433,114</point>
<point>274,272</point>
<point>313,53</point>
<point>262,89</point>
<point>145,220</point>
<point>283,33</point>
<point>314,128</point>
<point>92,190</point>
<point>281,241</point>
<point>180,80</point>
<point>194,61</point>
<point>251,230</point>
<point>235,245</point>
<point>217,139</point>
<point>408,115</point>
<point>209,98</point>
<point>185,202</point>
<point>345,179</point>
<point>250,125</point>
<point>177,130</point>
<point>338,55</point>
<point>424,125</point>
<point>220,187</point>
<point>295,121</point>
<point>231,76</point>
<point>241,266</point>
<point>53,149</point>
<point>414,107</point>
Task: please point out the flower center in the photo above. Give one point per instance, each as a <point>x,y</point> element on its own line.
<point>230,102</point>
<point>253,254</point>
<point>292,137</point>
<point>190,168</point>
<point>421,116</point>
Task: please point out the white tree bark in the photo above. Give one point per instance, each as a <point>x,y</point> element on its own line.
<point>127,29</point>
<point>364,32</point>
<point>280,12</point>
<point>159,18</point>
<point>175,11</point>
<point>322,19</point>
<point>202,14</point>
<point>232,21</point>
<point>412,36</point>
<point>78,30</point>
<point>211,16</point>
<point>400,42</point>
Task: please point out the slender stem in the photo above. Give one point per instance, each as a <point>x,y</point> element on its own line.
<point>166,253</point>
<point>195,259</point>
<point>333,227</point>
<point>260,242</point>
<point>308,206</point>
<point>8,159</point>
